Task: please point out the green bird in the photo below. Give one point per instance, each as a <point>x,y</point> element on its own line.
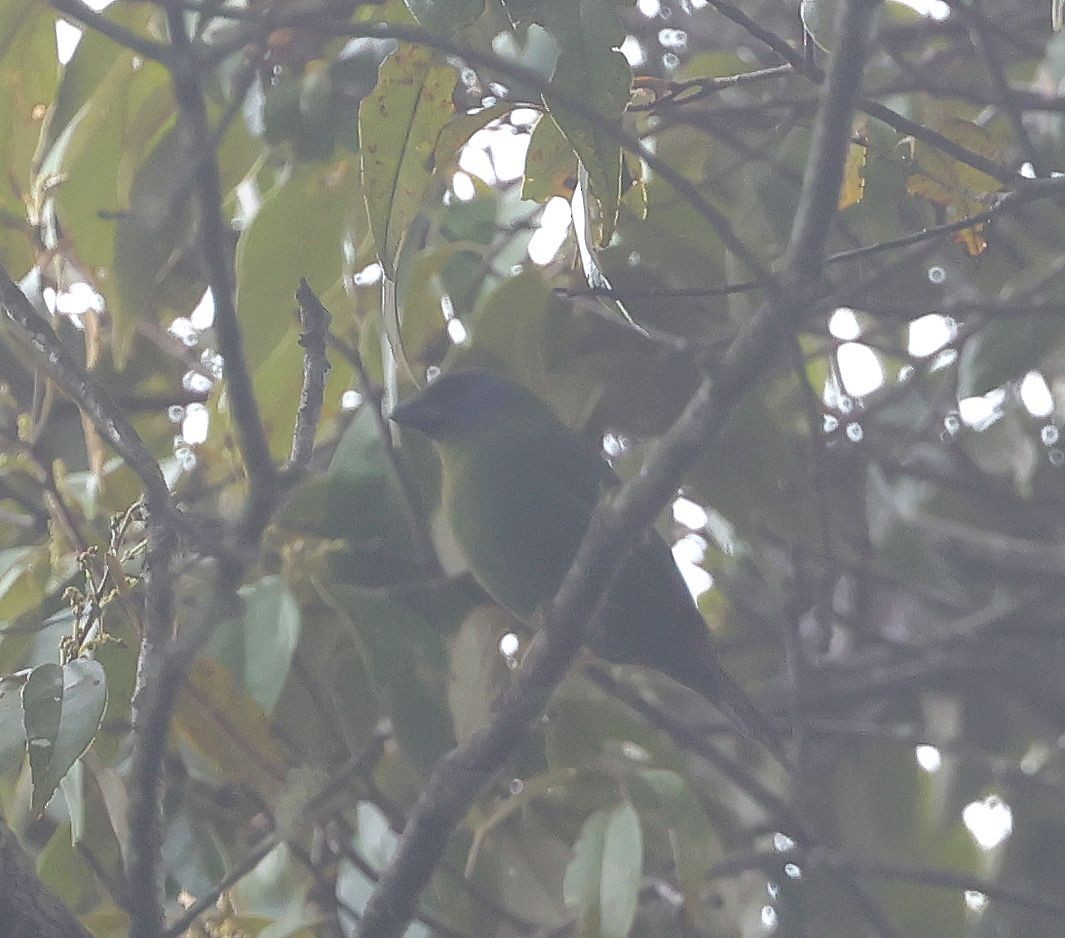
<point>518,489</point>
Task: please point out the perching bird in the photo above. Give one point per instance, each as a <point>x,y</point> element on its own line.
<point>518,490</point>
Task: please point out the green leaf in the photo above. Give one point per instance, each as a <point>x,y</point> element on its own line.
<point>298,232</point>
<point>94,161</point>
<point>12,732</point>
<point>28,75</point>
<point>622,869</point>
<point>62,867</point>
<point>591,70</point>
<point>62,712</point>
<point>24,575</point>
<point>93,64</point>
<point>478,672</point>
<point>399,124</point>
<point>550,164</point>
<point>1004,350</point>
<point>155,268</point>
<point>696,844</point>
<point>407,661</point>
<point>583,879</point>
<point>258,647</point>
<point>602,880</point>
<point>507,326</point>
<point>42,708</point>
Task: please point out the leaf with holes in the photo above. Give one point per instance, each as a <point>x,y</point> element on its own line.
<point>399,125</point>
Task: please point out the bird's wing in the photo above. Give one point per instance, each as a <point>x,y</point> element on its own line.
<point>519,503</point>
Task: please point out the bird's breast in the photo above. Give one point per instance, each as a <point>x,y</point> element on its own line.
<point>517,530</point>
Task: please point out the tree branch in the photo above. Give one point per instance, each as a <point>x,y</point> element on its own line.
<point>28,906</point>
<point>85,15</point>
<point>315,319</point>
<point>417,525</point>
<point>459,776</point>
<point>91,399</point>
<point>213,231</point>
<point>824,166</point>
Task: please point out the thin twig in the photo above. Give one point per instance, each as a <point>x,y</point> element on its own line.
<point>358,765</point>
<point>411,503</point>
<point>315,319</point>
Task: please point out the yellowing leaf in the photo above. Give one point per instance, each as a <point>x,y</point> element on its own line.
<point>853,187</point>
<point>550,163</point>
<point>227,725</point>
<point>959,189</point>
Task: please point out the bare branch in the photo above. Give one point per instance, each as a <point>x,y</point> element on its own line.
<point>828,149</point>
<point>213,239</point>
<point>315,319</point>
<point>93,400</point>
<point>28,906</point>
<point>85,15</point>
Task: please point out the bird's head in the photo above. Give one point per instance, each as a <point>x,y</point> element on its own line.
<point>460,402</point>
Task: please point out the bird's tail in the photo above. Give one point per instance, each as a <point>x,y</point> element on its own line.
<point>717,686</point>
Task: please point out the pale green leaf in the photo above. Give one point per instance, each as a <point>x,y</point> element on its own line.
<point>258,646</point>
<point>622,870</point>
<point>62,712</point>
<point>298,232</point>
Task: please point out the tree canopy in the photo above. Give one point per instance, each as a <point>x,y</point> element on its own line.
<point>796,269</point>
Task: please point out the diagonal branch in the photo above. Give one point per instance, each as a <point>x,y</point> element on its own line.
<point>91,398</point>
<point>459,776</point>
<point>27,905</point>
<point>82,13</point>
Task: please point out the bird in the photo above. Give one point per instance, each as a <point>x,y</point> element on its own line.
<point>518,489</point>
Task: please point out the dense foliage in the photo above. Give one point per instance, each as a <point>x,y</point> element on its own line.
<point>234,638</point>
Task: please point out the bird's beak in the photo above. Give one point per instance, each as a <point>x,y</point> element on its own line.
<point>418,413</point>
